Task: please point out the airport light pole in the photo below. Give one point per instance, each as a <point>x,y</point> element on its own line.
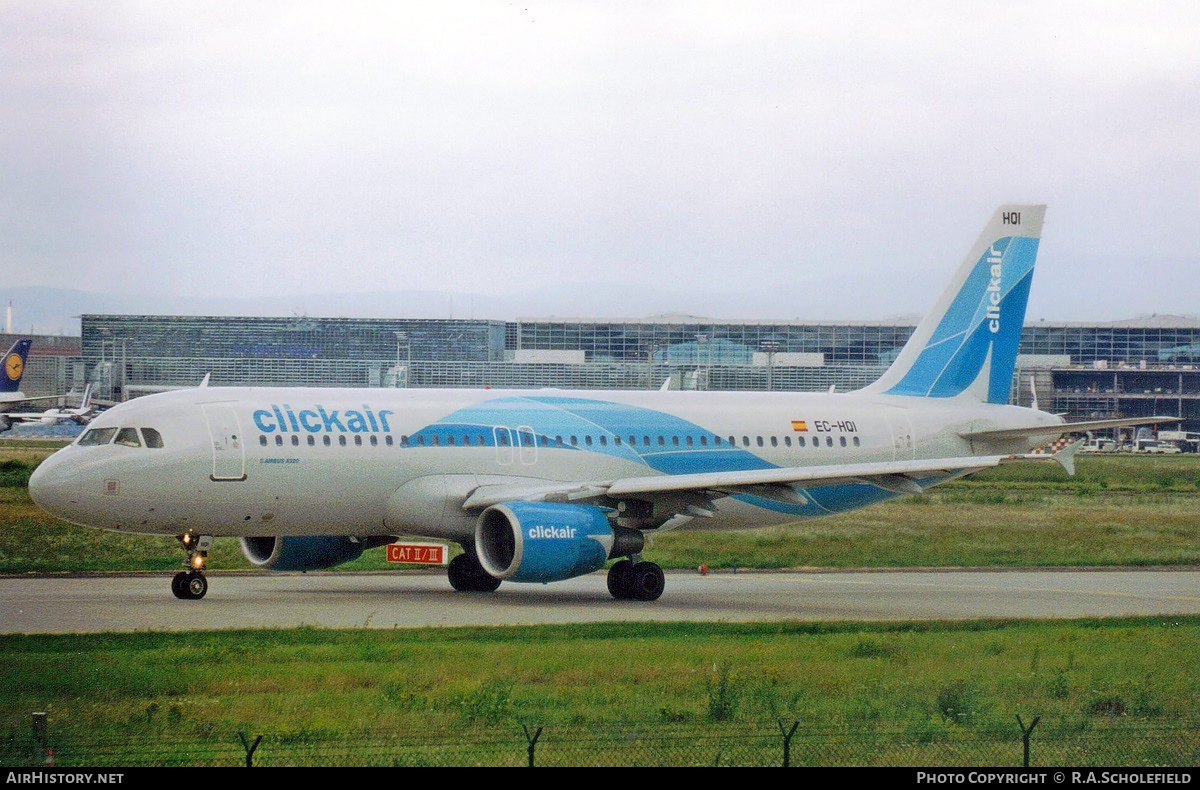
<point>402,337</point>
<point>771,346</point>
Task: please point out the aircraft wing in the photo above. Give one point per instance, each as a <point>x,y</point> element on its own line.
<point>8,403</point>
<point>37,416</point>
<point>1064,428</point>
<point>782,484</point>
<point>21,415</point>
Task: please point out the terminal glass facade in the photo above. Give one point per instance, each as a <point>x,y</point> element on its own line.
<point>131,355</point>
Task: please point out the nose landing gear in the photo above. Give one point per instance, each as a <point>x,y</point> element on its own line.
<point>191,585</point>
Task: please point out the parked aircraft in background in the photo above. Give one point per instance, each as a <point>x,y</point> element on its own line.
<point>81,415</point>
<point>10,381</point>
<point>545,485</point>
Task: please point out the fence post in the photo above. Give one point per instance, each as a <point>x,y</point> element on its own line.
<point>1026,732</point>
<point>532,741</point>
<point>787,740</point>
<point>41,738</point>
<point>249,749</point>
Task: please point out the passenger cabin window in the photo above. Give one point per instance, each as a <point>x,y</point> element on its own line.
<point>97,436</point>
<point>128,437</point>
<point>152,438</point>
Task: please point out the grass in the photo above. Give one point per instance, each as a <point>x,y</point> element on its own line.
<point>925,682</point>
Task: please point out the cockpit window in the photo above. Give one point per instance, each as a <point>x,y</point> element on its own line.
<point>97,436</point>
<point>152,438</point>
<point>128,437</point>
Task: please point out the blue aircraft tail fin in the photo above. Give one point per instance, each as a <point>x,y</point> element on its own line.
<point>967,343</point>
<point>14,365</point>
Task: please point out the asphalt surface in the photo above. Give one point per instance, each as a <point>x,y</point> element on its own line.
<point>406,600</point>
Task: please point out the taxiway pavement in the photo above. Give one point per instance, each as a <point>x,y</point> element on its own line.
<point>406,600</point>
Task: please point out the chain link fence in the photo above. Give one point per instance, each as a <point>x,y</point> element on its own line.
<point>757,744</point>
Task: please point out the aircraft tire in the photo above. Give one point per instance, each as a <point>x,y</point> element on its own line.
<point>620,580</point>
<point>648,581</point>
<point>177,582</point>
<point>467,575</point>
<point>194,586</point>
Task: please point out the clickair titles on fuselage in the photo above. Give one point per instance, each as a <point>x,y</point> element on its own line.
<point>319,419</point>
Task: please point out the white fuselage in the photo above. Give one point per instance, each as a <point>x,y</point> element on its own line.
<point>307,461</point>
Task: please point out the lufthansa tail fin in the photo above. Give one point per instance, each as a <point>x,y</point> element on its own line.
<point>967,343</point>
<point>14,365</point>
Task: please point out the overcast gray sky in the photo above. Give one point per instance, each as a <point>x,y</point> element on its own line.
<point>846,153</point>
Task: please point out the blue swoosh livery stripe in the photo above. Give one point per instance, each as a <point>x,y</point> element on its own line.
<point>553,416</point>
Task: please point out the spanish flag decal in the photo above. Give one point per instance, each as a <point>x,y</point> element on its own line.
<point>799,425</point>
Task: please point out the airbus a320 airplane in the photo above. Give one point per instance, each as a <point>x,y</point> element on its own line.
<point>545,485</point>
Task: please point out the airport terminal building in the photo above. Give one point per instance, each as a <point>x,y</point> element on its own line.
<point>1087,370</point>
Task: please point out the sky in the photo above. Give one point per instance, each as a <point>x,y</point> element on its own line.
<point>814,160</point>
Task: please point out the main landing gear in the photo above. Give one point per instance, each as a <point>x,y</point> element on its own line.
<point>467,575</point>
<point>635,580</point>
<point>191,585</point>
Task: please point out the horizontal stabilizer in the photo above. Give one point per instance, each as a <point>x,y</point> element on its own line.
<point>1062,429</point>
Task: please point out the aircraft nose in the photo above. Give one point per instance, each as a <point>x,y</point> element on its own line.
<point>53,490</point>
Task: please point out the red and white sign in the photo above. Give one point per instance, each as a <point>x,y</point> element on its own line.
<point>420,553</point>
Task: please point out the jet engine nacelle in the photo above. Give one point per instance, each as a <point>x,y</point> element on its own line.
<point>306,553</point>
<point>548,542</point>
